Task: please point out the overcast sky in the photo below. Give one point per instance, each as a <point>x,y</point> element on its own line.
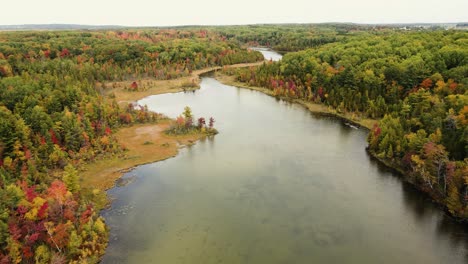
<point>203,12</point>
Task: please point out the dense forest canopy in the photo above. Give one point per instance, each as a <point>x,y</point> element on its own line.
<point>286,38</point>
<point>54,118</point>
<point>118,54</point>
<point>295,37</point>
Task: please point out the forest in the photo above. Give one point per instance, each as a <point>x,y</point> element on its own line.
<point>415,83</point>
<point>287,38</point>
<point>54,118</point>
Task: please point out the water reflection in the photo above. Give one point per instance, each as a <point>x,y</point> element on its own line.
<point>268,53</point>
<point>425,212</point>
<point>277,185</point>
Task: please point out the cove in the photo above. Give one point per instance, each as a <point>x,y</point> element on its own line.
<point>276,185</point>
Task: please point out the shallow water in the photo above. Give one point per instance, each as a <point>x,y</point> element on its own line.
<point>268,53</point>
<point>276,185</point>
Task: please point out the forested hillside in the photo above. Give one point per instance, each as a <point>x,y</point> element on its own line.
<point>53,119</point>
<point>295,37</point>
<point>414,82</point>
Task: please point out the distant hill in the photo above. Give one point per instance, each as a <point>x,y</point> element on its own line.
<point>426,25</point>
<point>461,25</point>
<point>56,27</point>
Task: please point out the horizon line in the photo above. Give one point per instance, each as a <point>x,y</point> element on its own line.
<point>220,25</point>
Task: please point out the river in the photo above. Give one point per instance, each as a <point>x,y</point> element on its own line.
<point>268,54</point>
<point>276,185</point>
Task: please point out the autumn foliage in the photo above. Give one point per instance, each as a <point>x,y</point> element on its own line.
<point>50,224</point>
<point>184,124</point>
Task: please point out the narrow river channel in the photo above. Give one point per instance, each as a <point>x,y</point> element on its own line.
<point>276,185</point>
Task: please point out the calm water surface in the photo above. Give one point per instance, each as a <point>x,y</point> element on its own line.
<point>276,185</point>
<point>268,53</point>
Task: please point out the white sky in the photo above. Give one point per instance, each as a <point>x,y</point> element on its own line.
<point>203,12</point>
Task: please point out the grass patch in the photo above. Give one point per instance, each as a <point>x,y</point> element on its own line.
<point>102,174</point>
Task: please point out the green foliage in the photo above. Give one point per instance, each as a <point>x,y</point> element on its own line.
<point>71,178</point>
<point>187,113</point>
<point>287,38</point>
<point>453,201</point>
<point>42,254</point>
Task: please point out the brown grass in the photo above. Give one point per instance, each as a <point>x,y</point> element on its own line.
<point>145,143</point>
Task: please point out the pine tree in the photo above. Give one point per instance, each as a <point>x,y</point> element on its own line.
<point>390,152</point>
<point>71,178</point>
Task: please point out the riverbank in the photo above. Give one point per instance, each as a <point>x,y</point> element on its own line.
<point>437,200</point>
<point>315,108</point>
<point>145,143</point>
<point>150,86</point>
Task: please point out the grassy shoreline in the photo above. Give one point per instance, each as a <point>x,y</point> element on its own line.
<point>145,143</point>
